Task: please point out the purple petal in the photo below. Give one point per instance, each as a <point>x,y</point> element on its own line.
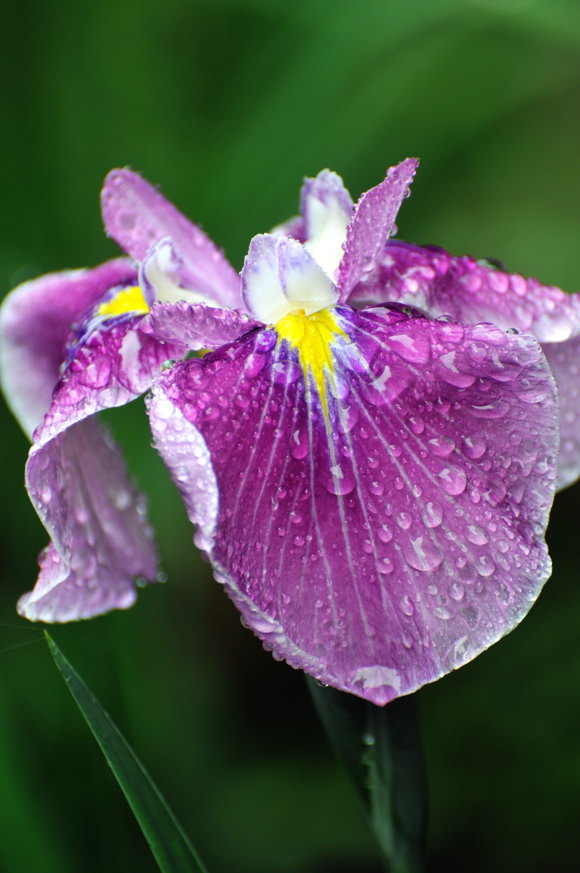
<point>372,223</point>
<point>113,365</point>
<point>471,292</point>
<point>280,276</point>
<point>197,326</point>
<point>35,321</point>
<point>96,519</point>
<point>78,483</point>
<point>389,538</point>
<point>137,216</point>
<point>564,359</point>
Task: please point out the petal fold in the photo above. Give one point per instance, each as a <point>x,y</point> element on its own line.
<point>137,216</point>
<point>384,536</point>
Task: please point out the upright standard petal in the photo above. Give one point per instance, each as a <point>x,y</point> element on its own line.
<point>280,276</point>
<point>372,223</point>
<point>137,216</point>
<point>326,207</point>
<point>372,489</point>
<point>35,320</point>
<point>100,539</point>
<point>474,291</point>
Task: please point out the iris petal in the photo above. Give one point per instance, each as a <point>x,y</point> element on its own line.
<point>389,539</point>
<point>137,216</point>
<point>471,292</point>
<point>78,483</point>
<point>35,320</point>
<point>372,222</point>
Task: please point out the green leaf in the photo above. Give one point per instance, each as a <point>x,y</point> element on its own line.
<point>167,840</point>
<point>380,747</point>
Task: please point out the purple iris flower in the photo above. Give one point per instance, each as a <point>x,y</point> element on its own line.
<point>369,467</point>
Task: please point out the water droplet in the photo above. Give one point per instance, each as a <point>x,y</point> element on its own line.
<point>442,612</point>
<point>377,488</point>
<point>432,515</point>
<point>456,591</point>
<point>484,565</point>
<point>299,444</point>
<point>339,481</point>
<point>46,495</point>
<point>407,605</point>
<point>476,535</point>
<point>441,446</point>
<point>416,424</point>
<point>385,533</point>
<point>385,566</point>
<point>454,481</point>
<point>404,520</point>
<point>422,554</point>
<point>474,447</point>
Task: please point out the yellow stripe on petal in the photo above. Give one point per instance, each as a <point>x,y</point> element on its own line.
<point>312,335</point>
<point>124,301</point>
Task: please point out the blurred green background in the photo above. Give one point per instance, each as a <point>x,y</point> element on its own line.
<point>227,104</point>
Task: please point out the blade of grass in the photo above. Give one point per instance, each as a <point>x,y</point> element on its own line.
<point>380,748</point>
<point>168,842</point>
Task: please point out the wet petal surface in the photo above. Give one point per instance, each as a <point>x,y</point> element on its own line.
<point>197,326</point>
<point>100,539</point>
<point>473,291</point>
<point>77,481</point>
<point>137,216</point>
<point>386,535</point>
<point>372,222</point>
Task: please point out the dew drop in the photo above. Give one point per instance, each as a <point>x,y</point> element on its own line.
<point>385,533</point>
<point>454,481</point>
<point>385,566</point>
<point>422,554</point>
<point>407,605</point>
<point>476,535</point>
<point>432,514</point>
<point>299,444</point>
<point>404,520</point>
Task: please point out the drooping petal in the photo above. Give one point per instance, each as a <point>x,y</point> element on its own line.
<point>137,216</point>
<point>381,525</point>
<point>372,223</point>
<point>327,207</point>
<point>473,291</point>
<point>197,326</point>
<point>78,483</point>
<point>280,276</point>
<point>35,320</point>
<point>100,540</point>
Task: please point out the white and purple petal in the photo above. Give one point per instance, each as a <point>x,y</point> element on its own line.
<point>372,222</point>
<point>473,291</point>
<point>137,216</point>
<point>389,534</point>
<point>326,207</point>
<point>35,321</point>
<point>280,276</point>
